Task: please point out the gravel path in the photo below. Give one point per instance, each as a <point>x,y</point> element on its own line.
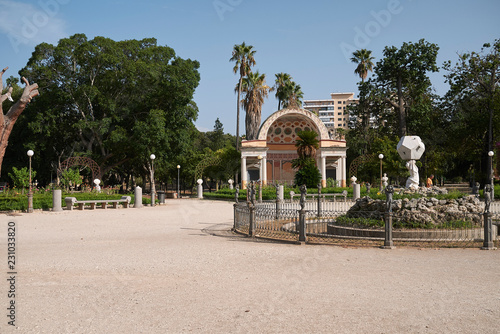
<point>178,269</point>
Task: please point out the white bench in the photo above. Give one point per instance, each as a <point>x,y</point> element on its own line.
<point>71,201</point>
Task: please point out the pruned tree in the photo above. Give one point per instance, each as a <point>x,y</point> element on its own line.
<point>8,120</point>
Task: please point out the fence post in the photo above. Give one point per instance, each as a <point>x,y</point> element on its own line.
<point>319,199</point>
<point>234,215</point>
<point>302,226</point>
<point>388,243</point>
<point>278,208</point>
<point>488,232</point>
<point>251,225</point>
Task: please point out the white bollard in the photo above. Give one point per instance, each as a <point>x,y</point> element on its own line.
<point>138,197</point>
<point>200,188</point>
<point>356,191</point>
<point>56,200</point>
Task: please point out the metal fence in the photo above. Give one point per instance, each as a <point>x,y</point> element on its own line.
<point>317,223</point>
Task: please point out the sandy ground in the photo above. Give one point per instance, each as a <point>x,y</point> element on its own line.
<point>177,269</point>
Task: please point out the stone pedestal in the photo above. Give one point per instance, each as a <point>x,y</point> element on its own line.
<point>200,191</point>
<point>138,197</point>
<point>281,192</point>
<point>356,191</point>
<point>56,200</point>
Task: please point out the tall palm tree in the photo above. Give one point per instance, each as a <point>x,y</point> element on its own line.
<point>279,85</point>
<point>243,56</point>
<point>364,60</point>
<point>307,144</point>
<point>293,95</point>
<point>255,89</point>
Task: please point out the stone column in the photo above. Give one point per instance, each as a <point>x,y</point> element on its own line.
<point>339,172</point>
<point>344,183</point>
<point>244,172</point>
<point>138,197</point>
<point>56,200</point>
<point>323,172</point>
<point>264,171</point>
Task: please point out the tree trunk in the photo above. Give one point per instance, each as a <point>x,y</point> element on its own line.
<point>7,121</point>
<point>252,123</point>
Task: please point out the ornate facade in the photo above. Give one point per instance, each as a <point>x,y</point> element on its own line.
<point>269,157</point>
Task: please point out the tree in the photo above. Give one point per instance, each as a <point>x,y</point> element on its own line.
<point>401,76</point>
<point>243,56</point>
<point>288,93</point>
<point>217,136</point>
<point>255,89</point>
<point>8,120</point>
<point>292,95</point>
<point>474,88</point>
<point>20,177</point>
<point>279,86</point>
<point>364,60</point>
<point>307,143</point>
<point>101,97</point>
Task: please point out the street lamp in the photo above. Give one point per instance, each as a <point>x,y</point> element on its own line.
<point>381,156</point>
<point>30,193</point>
<point>153,190</point>
<point>260,178</point>
<point>178,183</point>
<point>490,157</point>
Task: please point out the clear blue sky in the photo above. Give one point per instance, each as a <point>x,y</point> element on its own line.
<point>309,40</point>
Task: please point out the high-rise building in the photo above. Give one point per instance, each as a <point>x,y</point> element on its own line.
<point>333,112</point>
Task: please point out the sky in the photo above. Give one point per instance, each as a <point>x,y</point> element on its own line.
<point>312,41</point>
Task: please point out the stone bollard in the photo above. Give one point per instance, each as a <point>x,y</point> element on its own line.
<point>56,200</point>
<point>200,188</point>
<point>356,191</point>
<point>302,226</point>
<point>138,197</point>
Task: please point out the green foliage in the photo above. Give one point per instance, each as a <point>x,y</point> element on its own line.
<point>20,177</point>
<point>359,222</point>
<point>116,102</point>
<point>308,173</point>
<point>71,177</point>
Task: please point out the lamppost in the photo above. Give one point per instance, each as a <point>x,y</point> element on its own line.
<point>30,193</point>
<point>381,156</point>
<point>153,190</point>
<point>491,176</point>
<point>260,178</point>
<point>178,183</point>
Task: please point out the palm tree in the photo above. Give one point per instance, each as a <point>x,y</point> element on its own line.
<point>307,173</point>
<point>293,95</point>
<point>255,89</point>
<point>243,56</point>
<point>279,85</point>
<point>364,60</point>
<point>307,144</point>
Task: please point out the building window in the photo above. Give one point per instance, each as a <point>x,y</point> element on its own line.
<point>344,102</point>
<point>340,113</point>
<point>340,119</point>
<point>340,108</point>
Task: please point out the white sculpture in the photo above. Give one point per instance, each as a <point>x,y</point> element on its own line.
<point>411,148</point>
<point>413,180</point>
<point>97,186</point>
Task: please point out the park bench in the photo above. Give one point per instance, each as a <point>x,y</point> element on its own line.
<point>71,201</point>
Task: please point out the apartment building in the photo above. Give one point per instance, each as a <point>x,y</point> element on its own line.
<point>333,112</point>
